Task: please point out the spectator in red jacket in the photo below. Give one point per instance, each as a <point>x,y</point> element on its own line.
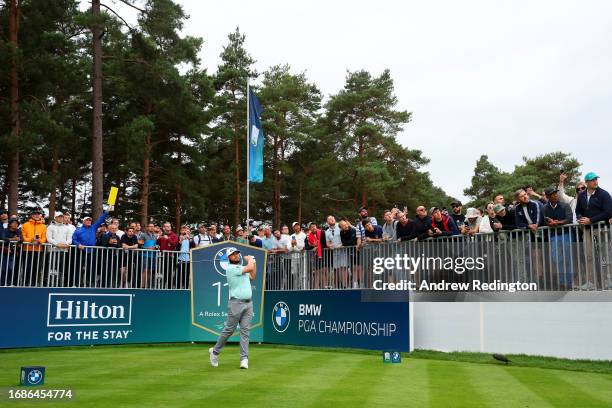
<point>167,241</point>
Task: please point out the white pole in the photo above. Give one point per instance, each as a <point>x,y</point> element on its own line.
<point>248,95</point>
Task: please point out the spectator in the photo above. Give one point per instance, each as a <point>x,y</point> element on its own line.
<point>227,234</point>
<point>405,229</point>
<point>363,215</point>
<point>556,215</point>
<point>490,222</point>
<point>129,242</point>
<point>100,233</point>
<point>506,217</point>
<point>280,243</point>
<point>69,224</point>
<point>472,222</point>
<point>456,215</point>
<point>268,239</point>
<point>373,233</point>
<point>84,237</point>
<point>10,262</point>
<point>349,238</point>
<point>139,233</point>
<point>149,257</point>
<point>213,234</point>
<point>422,223</point>
<point>185,243</point>
<point>255,241</point>
<point>441,225</point>
<point>4,219</point>
<point>337,258</point>
<point>501,216</point>
<point>118,232</point>
<point>389,227</point>
<point>298,238</point>
<point>315,241</point>
<point>528,213</point>
<point>167,243</point>
<point>566,199</point>
<point>240,238</point>
<point>109,259</point>
<point>59,234</point>
<point>202,239</point>
<point>593,205</point>
<point>34,233</point>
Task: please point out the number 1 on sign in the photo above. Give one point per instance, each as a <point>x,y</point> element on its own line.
<point>218,285</point>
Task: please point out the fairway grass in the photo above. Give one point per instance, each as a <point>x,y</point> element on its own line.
<point>181,376</point>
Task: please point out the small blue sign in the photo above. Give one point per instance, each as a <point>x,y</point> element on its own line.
<point>32,376</point>
<point>393,357</point>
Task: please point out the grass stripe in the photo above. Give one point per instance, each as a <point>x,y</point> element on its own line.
<point>548,385</point>
<point>449,383</point>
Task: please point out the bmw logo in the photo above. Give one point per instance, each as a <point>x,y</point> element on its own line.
<point>281,316</point>
<point>34,376</point>
<point>221,261</point>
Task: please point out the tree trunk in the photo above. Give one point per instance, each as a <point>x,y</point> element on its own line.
<point>299,209</point>
<point>96,134</point>
<point>276,183</point>
<point>53,194</point>
<point>12,174</point>
<point>177,208</point>
<point>364,197</point>
<point>146,169</point>
<point>237,175</point>
<point>74,199</point>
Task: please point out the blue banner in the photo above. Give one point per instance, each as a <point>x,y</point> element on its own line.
<point>210,293</point>
<point>256,139</point>
<point>336,318</point>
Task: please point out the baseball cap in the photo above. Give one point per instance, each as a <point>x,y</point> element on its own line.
<point>36,210</point>
<point>11,220</point>
<point>363,207</point>
<point>239,228</point>
<point>294,223</point>
<point>590,176</point>
<point>232,251</point>
<point>498,208</point>
<point>551,190</point>
<point>87,218</point>
<point>59,214</point>
<point>456,203</point>
<point>433,209</point>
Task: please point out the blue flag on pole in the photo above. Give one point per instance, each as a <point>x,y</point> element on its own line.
<point>256,139</point>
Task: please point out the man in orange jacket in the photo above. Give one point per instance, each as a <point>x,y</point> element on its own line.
<point>34,233</point>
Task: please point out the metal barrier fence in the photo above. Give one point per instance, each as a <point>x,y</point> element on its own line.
<point>570,257</point>
<point>564,258</point>
<point>47,265</point>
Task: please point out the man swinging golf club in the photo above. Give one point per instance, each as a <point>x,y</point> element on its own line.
<point>239,307</point>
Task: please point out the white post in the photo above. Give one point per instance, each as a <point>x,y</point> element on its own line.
<point>248,95</point>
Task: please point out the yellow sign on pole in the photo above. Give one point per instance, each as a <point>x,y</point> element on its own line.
<point>112,196</point>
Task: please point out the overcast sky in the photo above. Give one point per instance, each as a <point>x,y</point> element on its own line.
<point>506,79</point>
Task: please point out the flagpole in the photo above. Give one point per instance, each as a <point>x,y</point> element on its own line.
<point>248,95</point>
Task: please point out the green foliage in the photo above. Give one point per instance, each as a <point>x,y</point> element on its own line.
<point>538,172</point>
<point>168,122</point>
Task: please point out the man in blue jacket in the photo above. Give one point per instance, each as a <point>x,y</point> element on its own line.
<point>528,213</point>
<point>593,205</point>
<point>84,238</point>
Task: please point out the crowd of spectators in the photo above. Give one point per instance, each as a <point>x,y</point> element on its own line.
<point>72,245</point>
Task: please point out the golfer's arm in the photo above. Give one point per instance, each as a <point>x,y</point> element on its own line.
<point>250,269</point>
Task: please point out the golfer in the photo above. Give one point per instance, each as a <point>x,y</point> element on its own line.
<point>239,307</point>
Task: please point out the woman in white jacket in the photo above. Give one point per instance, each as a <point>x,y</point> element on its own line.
<point>60,236</point>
